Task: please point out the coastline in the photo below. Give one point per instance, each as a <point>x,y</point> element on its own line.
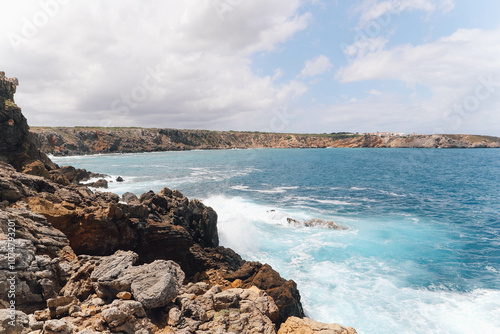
<point>83,141</point>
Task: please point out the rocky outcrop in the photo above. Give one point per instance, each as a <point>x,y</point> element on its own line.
<point>307,326</point>
<point>8,87</point>
<point>35,262</point>
<point>79,141</point>
<point>16,142</point>
<point>158,227</point>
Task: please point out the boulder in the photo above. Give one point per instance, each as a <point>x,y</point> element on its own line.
<point>154,285</point>
<point>101,183</point>
<point>129,198</point>
<point>13,322</point>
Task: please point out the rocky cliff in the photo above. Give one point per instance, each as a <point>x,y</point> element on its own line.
<point>75,261</point>
<point>16,142</point>
<point>79,141</point>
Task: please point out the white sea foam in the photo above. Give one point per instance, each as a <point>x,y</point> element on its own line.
<point>370,293</point>
<point>274,190</point>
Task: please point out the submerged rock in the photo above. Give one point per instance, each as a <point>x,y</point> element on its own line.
<point>315,223</point>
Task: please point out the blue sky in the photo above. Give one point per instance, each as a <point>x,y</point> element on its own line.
<point>425,66</point>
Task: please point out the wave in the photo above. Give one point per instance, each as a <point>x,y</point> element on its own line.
<point>274,190</point>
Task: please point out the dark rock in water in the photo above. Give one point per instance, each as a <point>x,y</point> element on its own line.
<point>294,222</point>
<point>315,223</point>
<point>119,179</point>
<point>101,183</point>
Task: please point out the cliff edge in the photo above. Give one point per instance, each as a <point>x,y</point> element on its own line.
<point>88,140</point>
<point>16,142</point>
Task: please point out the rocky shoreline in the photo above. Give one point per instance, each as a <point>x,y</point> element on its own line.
<point>77,261</point>
<point>83,140</point>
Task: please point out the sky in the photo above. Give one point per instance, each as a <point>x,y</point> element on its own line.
<point>305,66</point>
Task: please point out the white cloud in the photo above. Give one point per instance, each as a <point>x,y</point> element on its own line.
<point>374,92</point>
<point>370,10</point>
<point>363,45</point>
<point>92,61</point>
<point>316,66</point>
<point>451,68</point>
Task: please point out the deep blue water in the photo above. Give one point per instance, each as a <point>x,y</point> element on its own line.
<point>421,253</point>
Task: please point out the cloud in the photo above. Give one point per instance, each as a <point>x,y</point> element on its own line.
<point>370,10</point>
<point>451,68</point>
<point>316,66</point>
<point>374,92</point>
<point>149,63</point>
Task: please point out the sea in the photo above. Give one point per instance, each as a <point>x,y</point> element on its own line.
<point>421,248</point>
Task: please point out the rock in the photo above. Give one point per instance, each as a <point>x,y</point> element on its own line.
<point>227,299</point>
<point>127,316</point>
<point>34,324</point>
<point>108,276</point>
<point>112,267</point>
<point>307,326</point>
<point>114,316</point>
<point>125,295</point>
<point>42,257</point>
<point>80,284</point>
<point>13,322</point>
<point>174,316</point>
<point>36,168</point>
<point>284,293</point>
<point>156,284</point>
<point>57,326</point>
<point>17,145</point>
<point>119,179</point>
<point>315,223</point>
<point>130,198</point>
<point>101,183</point>
<point>216,311</point>
<point>61,305</point>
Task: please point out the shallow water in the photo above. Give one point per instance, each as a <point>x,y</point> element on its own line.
<point>421,252</point>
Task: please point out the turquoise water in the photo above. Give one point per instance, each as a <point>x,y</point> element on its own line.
<point>421,253</point>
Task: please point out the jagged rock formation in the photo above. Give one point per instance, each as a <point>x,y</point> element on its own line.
<point>74,261</point>
<point>16,142</point>
<point>79,141</point>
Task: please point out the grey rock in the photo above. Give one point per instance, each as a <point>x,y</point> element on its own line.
<point>114,316</point>
<point>59,326</point>
<point>13,322</point>
<point>60,306</point>
<point>130,198</point>
<point>156,284</point>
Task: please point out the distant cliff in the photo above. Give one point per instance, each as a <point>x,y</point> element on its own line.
<point>86,140</point>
